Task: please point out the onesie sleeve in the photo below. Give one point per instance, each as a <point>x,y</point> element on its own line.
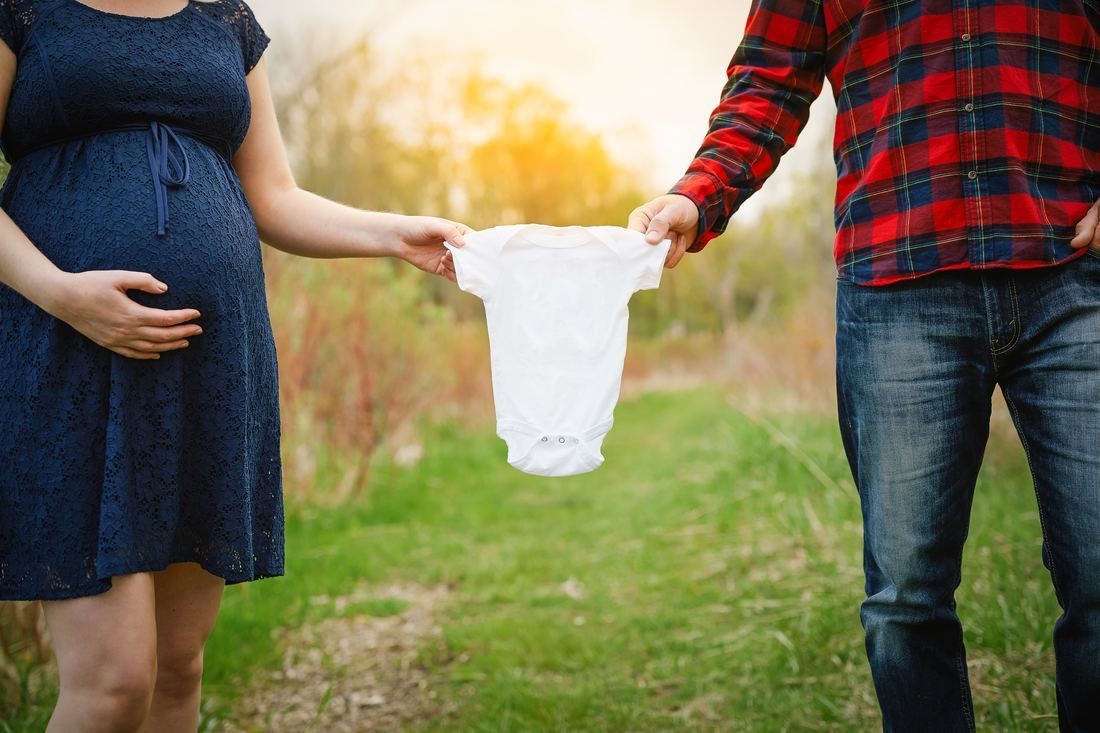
<point>253,39</point>
<point>653,264</point>
<point>477,264</point>
<point>647,261</point>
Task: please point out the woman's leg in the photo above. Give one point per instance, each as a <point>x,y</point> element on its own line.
<point>187,601</point>
<point>106,657</point>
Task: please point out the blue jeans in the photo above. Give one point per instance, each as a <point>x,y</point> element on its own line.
<point>917,363</point>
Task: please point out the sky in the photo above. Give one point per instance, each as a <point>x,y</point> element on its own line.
<point>651,67</point>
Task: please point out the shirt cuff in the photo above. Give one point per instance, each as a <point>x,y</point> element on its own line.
<point>709,195</point>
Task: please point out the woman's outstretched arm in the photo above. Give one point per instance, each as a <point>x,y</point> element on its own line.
<point>303,223</point>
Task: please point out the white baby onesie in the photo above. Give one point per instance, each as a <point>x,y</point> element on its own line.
<point>556,308</point>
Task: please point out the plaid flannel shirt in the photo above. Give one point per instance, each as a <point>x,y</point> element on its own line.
<point>967,131</point>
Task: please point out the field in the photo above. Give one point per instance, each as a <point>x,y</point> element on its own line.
<point>706,578</point>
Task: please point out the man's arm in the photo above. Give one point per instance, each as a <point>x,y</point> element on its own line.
<point>775,75</point>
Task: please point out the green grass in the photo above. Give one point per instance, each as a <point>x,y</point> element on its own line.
<point>719,558</point>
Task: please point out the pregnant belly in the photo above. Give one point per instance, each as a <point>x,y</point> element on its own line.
<point>90,205</point>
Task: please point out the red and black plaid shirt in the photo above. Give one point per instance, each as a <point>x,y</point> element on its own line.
<point>967,131</point>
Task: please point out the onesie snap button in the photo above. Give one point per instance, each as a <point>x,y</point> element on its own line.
<point>544,439</point>
<point>561,440</point>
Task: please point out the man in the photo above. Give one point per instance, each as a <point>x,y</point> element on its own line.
<point>968,255</point>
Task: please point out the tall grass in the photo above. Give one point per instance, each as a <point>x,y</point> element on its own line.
<point>363,352</point>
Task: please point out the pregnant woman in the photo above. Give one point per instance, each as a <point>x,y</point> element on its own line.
<point>139,416</point>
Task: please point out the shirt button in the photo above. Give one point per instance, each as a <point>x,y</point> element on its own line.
<point>969,107</point>
<point>966,36</point>
<point>972,175</point>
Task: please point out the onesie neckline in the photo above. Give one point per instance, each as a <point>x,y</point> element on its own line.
<point>553,237</point>
<point>570,236</point>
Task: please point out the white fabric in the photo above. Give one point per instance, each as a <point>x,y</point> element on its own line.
<point>556,308</point>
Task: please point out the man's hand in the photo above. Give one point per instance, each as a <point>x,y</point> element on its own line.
<point>672,217</point>
<point>1088,229</point>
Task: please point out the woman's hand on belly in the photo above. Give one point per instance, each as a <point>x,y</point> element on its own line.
<point>95,303</point>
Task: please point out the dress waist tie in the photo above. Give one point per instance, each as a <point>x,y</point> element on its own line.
<point>169,166</point>
<point>167,156</point>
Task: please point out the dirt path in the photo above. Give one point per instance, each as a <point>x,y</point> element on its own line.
<point>357,674</point>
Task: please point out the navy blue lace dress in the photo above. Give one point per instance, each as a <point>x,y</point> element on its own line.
<point>120,131</point>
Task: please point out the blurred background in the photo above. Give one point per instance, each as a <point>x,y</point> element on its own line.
<point>708,576</point>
